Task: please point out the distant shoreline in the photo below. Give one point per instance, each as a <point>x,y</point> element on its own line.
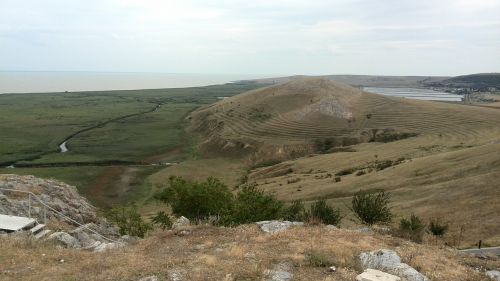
<point>20,82</point>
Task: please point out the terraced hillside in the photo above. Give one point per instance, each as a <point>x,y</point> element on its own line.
<point>292,118</point>
<point>449,166</point>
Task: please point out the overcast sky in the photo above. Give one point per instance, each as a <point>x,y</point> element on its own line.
<point>392,37</point>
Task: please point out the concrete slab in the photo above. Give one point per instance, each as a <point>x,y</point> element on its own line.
<point>14,223</point>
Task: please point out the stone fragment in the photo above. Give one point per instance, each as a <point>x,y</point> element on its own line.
<point>376,275</point>
<point>277,226</point>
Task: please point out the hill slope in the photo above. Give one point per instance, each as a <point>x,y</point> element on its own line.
<point>291,118</point>
<point>448,168</point>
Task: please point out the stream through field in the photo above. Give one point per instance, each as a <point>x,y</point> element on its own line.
<point>63,147</point>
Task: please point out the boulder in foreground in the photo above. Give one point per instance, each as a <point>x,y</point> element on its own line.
<point>389,261</point>
<point>376,275</point>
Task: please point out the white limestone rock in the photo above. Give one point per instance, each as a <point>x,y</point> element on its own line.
<point>376,275</point>
<point>389,261</point>
<point>493,275</point>
<point>277,226</point>
<point>149,278</point>
<point>280,272</point>
<point>181,222</point>
<point>65,239</point>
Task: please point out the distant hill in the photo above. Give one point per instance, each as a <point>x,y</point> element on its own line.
<point>365,80</point>
<point>482,80</point>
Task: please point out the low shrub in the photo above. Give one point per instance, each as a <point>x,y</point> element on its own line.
<point>128,220</point>
<point>372,208</point>
<point>197,200</point>
<point>412,228</point>
<point>252,204</point>
<point>321,211</point>
<point>295,211</point>
<point>162,220</point>
<point>437,228</point>
<point>324,145</point>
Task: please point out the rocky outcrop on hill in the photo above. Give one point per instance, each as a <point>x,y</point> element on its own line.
<point>65,208</point>
<point>62,197</point>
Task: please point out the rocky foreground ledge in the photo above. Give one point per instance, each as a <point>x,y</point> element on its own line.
<point>84,230</point>
<point>269,250</point>
<point>300,252</point>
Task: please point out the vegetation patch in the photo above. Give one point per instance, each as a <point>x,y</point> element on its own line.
<point>377,165</point>
<point>388,135</point>
<point>319,259</point>
<point>372,208</point>
<point>266,163</point>
<point>331,145</point>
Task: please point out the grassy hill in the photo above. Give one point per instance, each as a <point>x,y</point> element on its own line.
<point>437,159</point>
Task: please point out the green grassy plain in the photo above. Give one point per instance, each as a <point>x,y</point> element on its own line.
<point>121,126</point>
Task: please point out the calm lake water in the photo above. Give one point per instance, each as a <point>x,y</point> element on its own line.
<point>414,93</point>
<point>37,82</point>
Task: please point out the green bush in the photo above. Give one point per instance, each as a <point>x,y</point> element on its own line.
<point>372,208</point>
<point>437,228</point>
<point>412,228</point>
<point>252,204</point>
<point>197,200</point>
<point>128,220</point>
<point>295,211</point>
<point>162,220</point>
<point>202,200</point>
<point>324,145</point>
<point>325,213</point>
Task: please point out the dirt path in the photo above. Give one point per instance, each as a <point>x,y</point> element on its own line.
<point>483,251</point>
<point>112,186</point>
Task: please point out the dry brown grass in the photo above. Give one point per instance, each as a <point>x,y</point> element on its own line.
<point>211,253</point>
<point>452,166</point>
